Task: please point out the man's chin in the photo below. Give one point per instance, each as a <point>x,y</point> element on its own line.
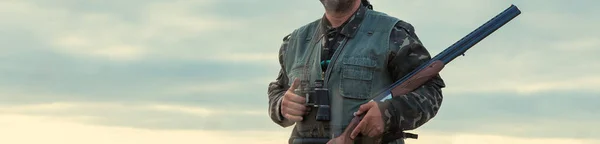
<point>338,6</point>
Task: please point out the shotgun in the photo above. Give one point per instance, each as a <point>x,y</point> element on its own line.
<point>430,69</point>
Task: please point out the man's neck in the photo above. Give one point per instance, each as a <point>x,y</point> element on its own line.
<point>336,19</point>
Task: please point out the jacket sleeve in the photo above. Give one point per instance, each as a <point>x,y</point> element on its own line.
<point>410,111</point>
<point>277,88</point>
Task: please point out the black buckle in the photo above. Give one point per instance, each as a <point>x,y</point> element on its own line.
<point>310,140</point>
<point>411,135</point>
<point>399,135</point>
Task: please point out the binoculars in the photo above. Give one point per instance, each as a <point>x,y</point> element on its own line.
<point>317,97</point>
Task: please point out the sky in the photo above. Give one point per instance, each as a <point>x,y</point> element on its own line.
<point>175,71</point>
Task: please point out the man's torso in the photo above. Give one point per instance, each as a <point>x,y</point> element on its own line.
<point>357,71</point>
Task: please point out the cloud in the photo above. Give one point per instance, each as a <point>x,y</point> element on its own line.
<point>568,114</point>
<point>106,35</point>
<point>578,45</point>
<point>551,114</point>
<point>192,52</point>
<point>69,79</point>
<point>148,115</point>
<point>465,138</point>
<point>526,70</point>
<point>522,86</point>
<point>59,107</point>
<point>224,86</point>
<point>459,14</point>
<point>271,58</point>
<point>75,45</point>
<point>157,78</point>
<point>20,129</point>
<point>155,71</point>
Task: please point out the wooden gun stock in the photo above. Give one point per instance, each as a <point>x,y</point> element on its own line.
<point>417,80</point>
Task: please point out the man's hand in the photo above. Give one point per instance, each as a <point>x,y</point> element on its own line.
<point>292,105</point>
<point>372,123</point>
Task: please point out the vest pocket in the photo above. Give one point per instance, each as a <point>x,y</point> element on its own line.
<point>357,78</point>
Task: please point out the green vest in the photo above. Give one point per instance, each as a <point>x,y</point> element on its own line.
<point>357,71</point>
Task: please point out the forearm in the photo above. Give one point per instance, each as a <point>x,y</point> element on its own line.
<point>412,110</point>
<point>276,91</point>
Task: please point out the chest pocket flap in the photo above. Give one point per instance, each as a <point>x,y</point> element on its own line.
<point>357,77</point>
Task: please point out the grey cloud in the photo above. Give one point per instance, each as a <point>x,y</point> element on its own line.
<point>282,17</point>
<point>130,10</point>
<point>249,9</point>
<point>175,121</point>
<point>557,114</point>
<point>33,73</point>
<point>92,80</point>
<point>135,115</point>
<point>542,22</point>
<point>572,114</point>
<point>33,69</point>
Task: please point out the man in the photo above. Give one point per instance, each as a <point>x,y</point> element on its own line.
<point>357,52</point>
